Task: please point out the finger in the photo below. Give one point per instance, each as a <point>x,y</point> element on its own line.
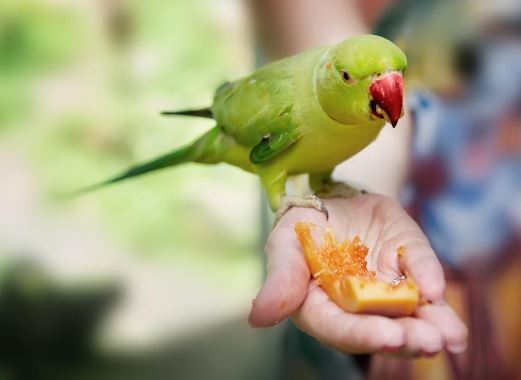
<point>421,337</point>
<point>451,327</point>
<point>349,333</point>
<point>420,262</point>
<point>285,286</point>
<point>417,258</point>
<point>288,276</point>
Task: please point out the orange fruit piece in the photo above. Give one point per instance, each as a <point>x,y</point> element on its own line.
<point>341,270</point>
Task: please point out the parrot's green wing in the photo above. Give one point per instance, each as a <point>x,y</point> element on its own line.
<point>257,110</point>
<point>271,146</point>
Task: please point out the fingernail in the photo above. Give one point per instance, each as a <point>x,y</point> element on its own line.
<point>250,320</point>
<point>457,348</point>
<point>391,349</point>
<point>429,354</point>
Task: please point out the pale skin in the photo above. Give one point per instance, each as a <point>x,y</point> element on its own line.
<point>290,292</point>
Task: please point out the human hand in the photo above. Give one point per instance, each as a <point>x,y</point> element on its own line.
<point>383,225</point>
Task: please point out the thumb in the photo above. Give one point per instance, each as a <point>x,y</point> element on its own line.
<point>286,284</point>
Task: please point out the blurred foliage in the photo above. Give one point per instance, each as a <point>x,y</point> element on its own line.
<point>82,84</point>
<point>33,38</point>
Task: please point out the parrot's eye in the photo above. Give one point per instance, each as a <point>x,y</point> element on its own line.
<point>346,77</point>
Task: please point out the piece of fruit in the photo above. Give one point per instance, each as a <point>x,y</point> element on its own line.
<point>341,270</point>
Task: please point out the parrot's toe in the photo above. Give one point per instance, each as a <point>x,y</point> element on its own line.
<point>338,190</point>
<point>308,201</point>
<point>323,209</point>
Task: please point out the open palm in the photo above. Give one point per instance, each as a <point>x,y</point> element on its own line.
<point>384,226</point>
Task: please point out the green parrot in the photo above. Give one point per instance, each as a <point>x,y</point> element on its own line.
<point>300,115</point>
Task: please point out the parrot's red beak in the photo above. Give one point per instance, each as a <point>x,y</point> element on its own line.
<point>387,97</point>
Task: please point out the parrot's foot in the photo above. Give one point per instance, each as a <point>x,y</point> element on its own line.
<point>338,190</point>
<point>308,201</point>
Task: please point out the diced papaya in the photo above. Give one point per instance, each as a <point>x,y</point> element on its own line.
<point>341,270</point>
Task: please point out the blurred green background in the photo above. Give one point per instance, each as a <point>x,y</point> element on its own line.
<point>81,86</point>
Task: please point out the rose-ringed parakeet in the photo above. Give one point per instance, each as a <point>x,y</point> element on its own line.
<point>302,114</point>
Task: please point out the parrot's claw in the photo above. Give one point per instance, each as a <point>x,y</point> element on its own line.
<point>338,190</point>
<point>308,201</point>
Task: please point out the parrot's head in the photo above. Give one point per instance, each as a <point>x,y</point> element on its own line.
<point>360,81</point>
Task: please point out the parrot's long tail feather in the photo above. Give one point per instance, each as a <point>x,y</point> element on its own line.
<point>203,112</point>
<point>174,158</point>
<point>198,151</point>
